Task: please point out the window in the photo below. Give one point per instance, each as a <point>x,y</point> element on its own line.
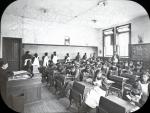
<point>123,40</point>
<point>117,39</point>
<point>108,42</point>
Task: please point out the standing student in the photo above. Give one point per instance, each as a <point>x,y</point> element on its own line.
<point>35,60</point>
<point>94,56</point>
<point>84,56</point>
<point>78,57</point>
<point>45,60</point>
<point>26,57</point>
<point>54,58</point>
<point>28,67</point>
<point>115,58</point>
<point>35,63</point>
<point>67,58</point>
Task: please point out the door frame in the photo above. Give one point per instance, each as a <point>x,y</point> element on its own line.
<point>20,48</point>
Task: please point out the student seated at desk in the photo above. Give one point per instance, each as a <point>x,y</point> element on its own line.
<point>127,70</point>
<point>105,69</point>
<point>48,73</point>
<point>131,66</point>
<point>60,68</point>
<point>113,70</point>
<point>135,94</point>
<point>75,72</point>
<point>139,67</point>
<point>93,96</point>
<point>87,74</point>
<point>145,85</point>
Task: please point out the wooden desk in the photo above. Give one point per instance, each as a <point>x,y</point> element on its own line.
<point>127,105</point>
<point>30,88</point>
<point>109,81</point>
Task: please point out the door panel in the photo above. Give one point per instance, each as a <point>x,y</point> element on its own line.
<point>12,52</point>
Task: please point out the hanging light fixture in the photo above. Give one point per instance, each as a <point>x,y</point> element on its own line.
<point>102,2</point>
<point>94,20</point>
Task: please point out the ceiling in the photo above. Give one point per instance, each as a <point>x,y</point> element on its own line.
<point>78,12</point>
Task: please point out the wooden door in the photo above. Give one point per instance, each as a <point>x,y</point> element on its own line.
<point>12,52</point>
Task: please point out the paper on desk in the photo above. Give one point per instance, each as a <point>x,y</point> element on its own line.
<point>135,109</point>
<point>19,72</point>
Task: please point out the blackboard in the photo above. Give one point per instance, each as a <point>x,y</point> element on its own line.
<point>140,52</point>
<point>61,50</point>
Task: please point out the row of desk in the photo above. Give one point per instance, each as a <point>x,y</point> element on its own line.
<point>88,86</point>
<point>127,105</point>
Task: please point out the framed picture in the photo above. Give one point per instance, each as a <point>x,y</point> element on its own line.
<point>67,40</point>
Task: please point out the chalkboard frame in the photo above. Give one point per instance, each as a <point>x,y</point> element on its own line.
<point>54,45</point>
<point>136,57</point>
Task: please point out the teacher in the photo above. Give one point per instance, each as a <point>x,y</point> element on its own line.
<point>115,58</point>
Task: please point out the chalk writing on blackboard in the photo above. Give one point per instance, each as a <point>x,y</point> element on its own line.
<point>140,52</point>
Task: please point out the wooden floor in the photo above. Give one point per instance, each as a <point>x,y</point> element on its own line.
<point>49,103</point>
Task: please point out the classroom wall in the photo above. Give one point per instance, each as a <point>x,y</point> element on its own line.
<point>42,32</point>
<point>140,26</point>
<point>61,50</point>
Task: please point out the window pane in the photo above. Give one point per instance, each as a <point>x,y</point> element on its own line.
<point>122,42</point>
<point>123,28</point>
<point>108,32</point>
<point>108,49</point>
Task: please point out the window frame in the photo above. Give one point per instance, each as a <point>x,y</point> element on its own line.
<point>115,33</point>
<point>105,35</point>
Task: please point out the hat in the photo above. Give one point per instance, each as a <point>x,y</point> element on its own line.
<point>2,62</point>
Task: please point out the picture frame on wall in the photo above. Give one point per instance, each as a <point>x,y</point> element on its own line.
<point>67,40</point>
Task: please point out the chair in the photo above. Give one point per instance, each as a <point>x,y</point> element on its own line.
<point>50,79</point>
<point>107,106</point>
<point>59,83</point>
<point>44,75</point>
<point>76,94</point>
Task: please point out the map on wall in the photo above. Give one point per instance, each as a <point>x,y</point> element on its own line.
<point>140,52</point>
